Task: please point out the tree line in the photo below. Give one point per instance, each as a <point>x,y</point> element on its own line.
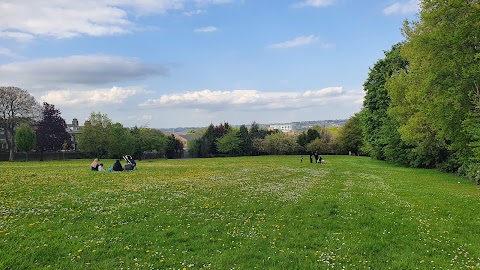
<point>29,126</point>
<point>225,140</point>
<point>422,103</point>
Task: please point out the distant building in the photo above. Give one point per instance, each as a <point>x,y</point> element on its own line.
<point>74,129</point>
<point>281,127</point>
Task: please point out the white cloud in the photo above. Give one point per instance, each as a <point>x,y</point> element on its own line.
<point>248,100</point>
<point>313,3</point>
<point>208,29</point>
<point>296,42</point>
<point>7,52</point>
<point>194,12</point>
<point>409,7</point>
<point>17,36</point>
<point>22,20</point>
<point>203,107</point>
<point>91,98</point>
<point>77,69</point>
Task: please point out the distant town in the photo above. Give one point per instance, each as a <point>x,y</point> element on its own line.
<point>295,126</point>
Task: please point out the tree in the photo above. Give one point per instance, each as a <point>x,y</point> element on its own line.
<point>119,141</point>
<point>153,140</point>
<point>194,147</point>
<point>207,142</point>
<point>25,139</point>
<point>306,137</point>
<point>174,147</point>
<point>255,131</point>
<point>17,106</point>
<point>94,137</point>
<point>51,129</point>
<point>258,146</point>
<point>350,137</point>
<point>434,100</point>
<point>245,141</point>
<point>280,144</point>
<point>230,143</point>
<point>374,117</point>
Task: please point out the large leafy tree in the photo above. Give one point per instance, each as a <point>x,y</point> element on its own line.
<point>153,140</point>
<point>307,137</point>
<point>434,102</point>
<point>17,106</point>
<point>230,143</point>
<point>120,142</point>
<point>25,139</point>
<point>375,120</point>
<point>350,136</point>
<point>51,129</point>
<point>280,144</point>
<point>95,135</point>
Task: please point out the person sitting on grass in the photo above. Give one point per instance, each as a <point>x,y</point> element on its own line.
<point>94,165</point>
<point>100,168</point>
<point>117,166</point>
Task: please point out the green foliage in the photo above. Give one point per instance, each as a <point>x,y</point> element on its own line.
<point>258,146</point>
<point>326,143</point>
<point>120,142</point>
<point>152,140</point>
<point>245,141</point>
<point>422,99</point>
<point>230,143</point>
<point>174,147</point>
<point>433,102</point>
<point>374,119</point>
<point>280,144</point>
<point>244,213</point>
<point>17,106</point>
<point>306,137</point>
<point>350,137</point>
<point>94,138</point>
<point>25,139</point>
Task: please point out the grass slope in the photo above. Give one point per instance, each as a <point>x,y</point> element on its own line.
<point>237,213</point>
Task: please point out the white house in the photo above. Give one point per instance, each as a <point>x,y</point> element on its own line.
<point>282,127</point>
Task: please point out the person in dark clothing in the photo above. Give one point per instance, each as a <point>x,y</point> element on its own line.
<point>316,157</point>
<point>311,160</point>
<point>117,166</point>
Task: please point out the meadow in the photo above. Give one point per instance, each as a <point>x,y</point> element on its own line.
<point>268,212</point>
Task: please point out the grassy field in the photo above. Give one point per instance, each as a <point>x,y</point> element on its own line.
<point>237,213</point>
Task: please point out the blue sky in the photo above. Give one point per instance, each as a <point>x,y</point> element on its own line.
<point>177,63</point>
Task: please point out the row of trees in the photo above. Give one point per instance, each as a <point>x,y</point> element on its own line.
<point>422,103</point>
<point>226,140</point>
<point>29,126</point>
<point>42,128</point>
<point>102,138</point>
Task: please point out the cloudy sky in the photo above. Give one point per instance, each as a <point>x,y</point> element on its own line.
<point>190,63</point>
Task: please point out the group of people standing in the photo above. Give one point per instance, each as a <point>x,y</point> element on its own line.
<point>96,166</point>
<point>318,158</point>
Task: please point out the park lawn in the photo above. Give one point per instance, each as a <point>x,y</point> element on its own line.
<point>269,212</point>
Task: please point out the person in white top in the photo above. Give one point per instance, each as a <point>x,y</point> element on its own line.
<point>100,167</point>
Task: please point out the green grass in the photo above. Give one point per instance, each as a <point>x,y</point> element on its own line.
<point>237,213</point>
